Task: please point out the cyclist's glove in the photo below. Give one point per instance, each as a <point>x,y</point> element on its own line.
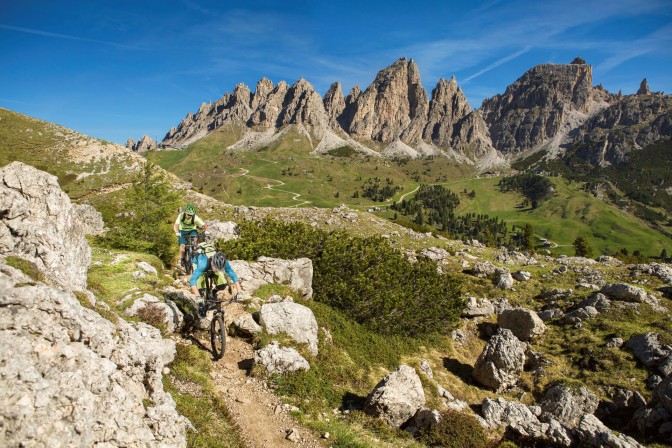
<point>239,296</point>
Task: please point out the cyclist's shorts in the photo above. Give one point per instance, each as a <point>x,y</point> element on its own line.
<point>220,280</point>
<point>182,239</point>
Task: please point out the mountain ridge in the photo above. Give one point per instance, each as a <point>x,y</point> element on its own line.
<point>541,110</point>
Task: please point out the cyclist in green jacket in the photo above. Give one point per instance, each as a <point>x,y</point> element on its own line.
<point>187,223</point>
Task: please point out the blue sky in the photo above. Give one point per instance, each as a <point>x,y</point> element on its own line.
<point>119,69</point>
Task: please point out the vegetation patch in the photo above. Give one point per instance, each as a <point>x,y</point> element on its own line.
<point>27,267</point>
<point>455,430</point>
<point>366,277</point>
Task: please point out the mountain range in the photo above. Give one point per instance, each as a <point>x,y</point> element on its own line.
<point>552,108</point>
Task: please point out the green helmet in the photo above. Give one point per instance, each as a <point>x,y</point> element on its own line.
<point>190,210</point>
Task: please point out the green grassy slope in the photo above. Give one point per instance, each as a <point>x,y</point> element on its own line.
<point>285,174</point>
<point>569,213</point>
<point>256,177</point>
<point>82,164</point>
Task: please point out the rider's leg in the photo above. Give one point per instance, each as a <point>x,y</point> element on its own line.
<point>181,251</point>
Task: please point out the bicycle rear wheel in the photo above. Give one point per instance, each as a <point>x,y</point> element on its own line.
<point>217,336</point>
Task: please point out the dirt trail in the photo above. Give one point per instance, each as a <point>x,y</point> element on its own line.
<point>263,420</point>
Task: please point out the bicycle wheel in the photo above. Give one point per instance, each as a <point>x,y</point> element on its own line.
<point>217,336</point>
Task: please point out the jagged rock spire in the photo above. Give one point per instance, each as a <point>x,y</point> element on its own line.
<point>334,104</point>
<point>644,88</point>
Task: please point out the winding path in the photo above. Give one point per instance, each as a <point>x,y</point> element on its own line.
<point>269,186</point>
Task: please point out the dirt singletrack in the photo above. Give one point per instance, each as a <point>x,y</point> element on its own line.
<point>264,420</point>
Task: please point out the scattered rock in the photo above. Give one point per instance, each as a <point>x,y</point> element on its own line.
<point>567,404</point>
<point>478,307</point>
<point>501,362</point>
<point>296,320</point>
<point>298,274</point>
<point>227,230</point>
<point>148,268</point>
<point>246,324</point>
<point>397,397</point>
<point>524,324</point>
<point>280,360</point>
<point>522,276</point>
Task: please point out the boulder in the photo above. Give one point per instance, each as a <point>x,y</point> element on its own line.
<point>246,324</point>
<point>397,397</point>
<point>424,419</point>
<point>663,393</point>
<point>218,230</point>
<point>278,359</point>
<point>523,421</point>
<point>591,432</point>
<point>39,223</point>
<point>648,349</point>
<point>166,313</point>
<point>567,404</point>
<point>524,324</point>
<point>296,320</point>
<point>484,269</point>
<point>426,368</point>
<point>522,276</point>
<point>435,253</point>
<point>478,307</point>
<point>148,268</point>
<point>77,379</point>
<point>501,362</point>
<point>629,293</point>
<point>505,281</point>
<point>298,274</point>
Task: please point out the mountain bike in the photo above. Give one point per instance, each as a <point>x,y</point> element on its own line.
<point>217,329</point>
<point>190,252</point>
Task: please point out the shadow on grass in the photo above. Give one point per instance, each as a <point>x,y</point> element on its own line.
<point>352,402</point>
<point>461,370</point>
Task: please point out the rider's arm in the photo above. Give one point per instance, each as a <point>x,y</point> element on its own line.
<point>198,222</point>
<point>229,271</point>
<point>201,266</point>
<point>176,226</point>
<point>232,275</point>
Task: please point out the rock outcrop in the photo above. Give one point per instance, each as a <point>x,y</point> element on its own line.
<point>610,136</point>
<point>75,378</point>
<point>146,143</point>
<point>297,274</point>
<point>334,104</point>
<point>39,223</point>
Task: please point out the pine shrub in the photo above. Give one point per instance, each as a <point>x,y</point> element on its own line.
<point>149,209</point>
<point>455,430</point>
<point>365,277</point>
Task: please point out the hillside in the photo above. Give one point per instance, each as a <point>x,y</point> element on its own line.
<point>476,335</point>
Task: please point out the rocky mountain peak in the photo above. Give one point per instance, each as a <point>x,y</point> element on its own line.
<point>552,91</point>
<point>334,104</point>
<point>447,107</point>
<point>303,105</point>
<point>644,88</point>
<point>392,106</point>
<point>263,89</point>
<point>578,61</point>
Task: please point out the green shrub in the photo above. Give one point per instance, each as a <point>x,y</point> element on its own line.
<point>456,430</point>
<point>147,224</point>
<point>27,267</point>
<point>365,277</point>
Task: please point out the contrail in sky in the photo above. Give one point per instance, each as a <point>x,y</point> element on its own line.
<point>496,64</point>
<point>64,36</point>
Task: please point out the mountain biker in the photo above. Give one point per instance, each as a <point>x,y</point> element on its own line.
<point>188,223</point>
<point>209,259</point>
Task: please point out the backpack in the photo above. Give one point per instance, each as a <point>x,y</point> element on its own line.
<point>207,249</point>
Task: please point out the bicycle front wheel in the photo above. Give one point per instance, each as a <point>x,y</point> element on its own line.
<point>217,336</point>
<point>188,268</point>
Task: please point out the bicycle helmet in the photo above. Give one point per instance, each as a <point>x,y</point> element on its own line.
<point>219,261</point>
<point>190,210</point>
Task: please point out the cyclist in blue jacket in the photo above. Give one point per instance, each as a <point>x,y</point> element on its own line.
<point>209,259</point>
